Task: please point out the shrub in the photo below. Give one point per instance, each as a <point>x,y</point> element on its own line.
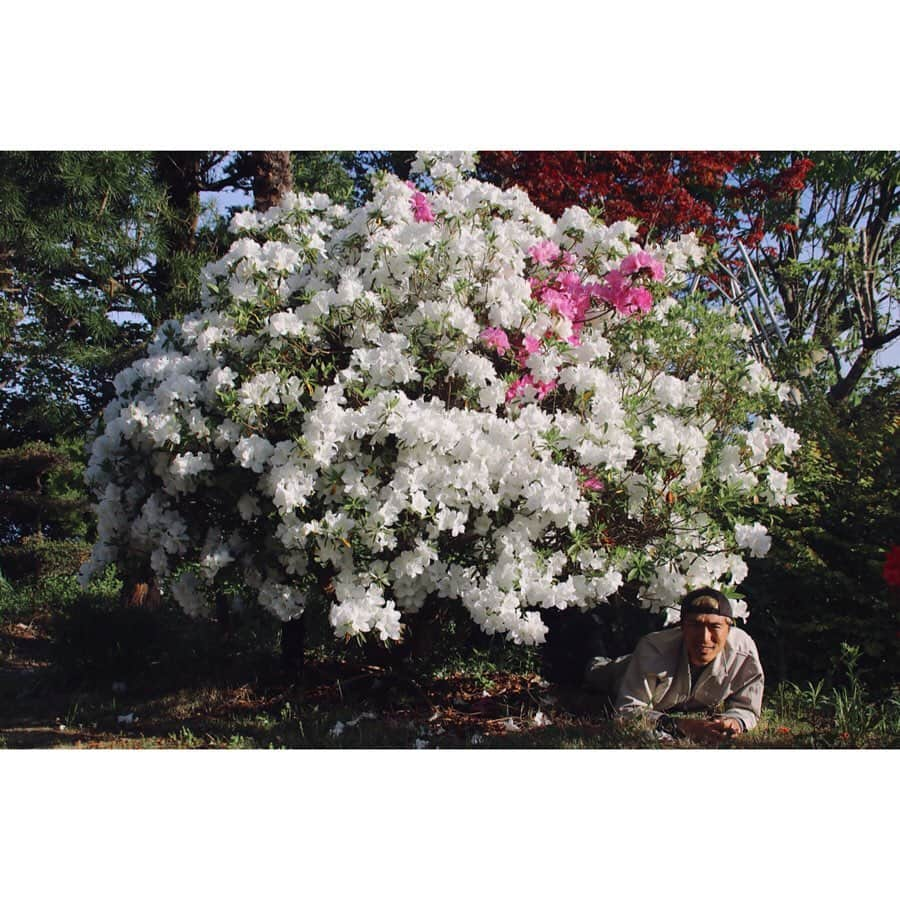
<point>441,396</point>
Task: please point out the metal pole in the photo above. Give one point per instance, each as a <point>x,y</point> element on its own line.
<point>765,298</point>
<point>762,293</point>
<point>760,338</point>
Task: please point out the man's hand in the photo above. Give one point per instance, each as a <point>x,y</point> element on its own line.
<point>729,727</point>
<point>709,731</point>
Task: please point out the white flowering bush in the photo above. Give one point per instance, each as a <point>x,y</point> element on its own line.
<point>443,395</point>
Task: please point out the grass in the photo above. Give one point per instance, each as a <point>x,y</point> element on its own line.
<point>92,674</point>
<point>843,716</point>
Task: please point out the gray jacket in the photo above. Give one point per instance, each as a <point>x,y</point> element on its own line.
<point>657,679</point>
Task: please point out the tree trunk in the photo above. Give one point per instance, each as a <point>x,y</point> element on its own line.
<point>401,162</point>
<point>293,640</point>
<point>272,177</point>
<point>141,590</point>
<point>181,172</point>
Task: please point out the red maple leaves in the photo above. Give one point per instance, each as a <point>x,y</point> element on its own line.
<point>714,193</point>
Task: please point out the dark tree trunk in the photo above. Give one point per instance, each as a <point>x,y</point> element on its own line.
<point>272,177</point>
<point>141,590</point>
<point>223,615</point>
<point>401,162</point>
<point>182,174</point>
<point>293,640</point>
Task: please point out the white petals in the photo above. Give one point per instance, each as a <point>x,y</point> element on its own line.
<point>754,538</point>
<point>335,403</point>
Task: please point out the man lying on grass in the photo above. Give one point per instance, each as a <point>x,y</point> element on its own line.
<point>704,665</point>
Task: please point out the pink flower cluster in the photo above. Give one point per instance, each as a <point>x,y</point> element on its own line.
<point>642,260</point>
<point>421,208</point>
<point>520,385</point>
<point>619,289</point>
<point>562,291</point>
<point>496,338</point>
<point>547,252</point>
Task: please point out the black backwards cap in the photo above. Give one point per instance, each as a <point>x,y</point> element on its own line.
<point>709,601</point>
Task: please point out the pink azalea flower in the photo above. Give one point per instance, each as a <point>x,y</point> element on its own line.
<point>642,260</point>
<point>569,281</point>
<point>640,299</point>
<point>559,302</point>
<point>496,338</point>
<point>544,388</point>
<point>544,253</point>
<point>517,388</point>
<point>614,291</point>
<point>619,293</point>
<point>421,207</point>
<point>630,264</point>
<point>531,344</point>
<point>591,482</point>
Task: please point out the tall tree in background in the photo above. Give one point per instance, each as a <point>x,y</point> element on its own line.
<point>181,175</point>
<point>329,171</point>
<point>77,234</point>
<point>668,192</point>
<point>97,250</point>
<point>832,264</point>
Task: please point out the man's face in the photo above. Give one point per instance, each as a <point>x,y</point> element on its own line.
<point>704,636</point>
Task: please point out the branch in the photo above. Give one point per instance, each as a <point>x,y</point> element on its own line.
<point>844,388</point>
<point>230,181</point>
<point>876,343</point>
<point>835,359</point>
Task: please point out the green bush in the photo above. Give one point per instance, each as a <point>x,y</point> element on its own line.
<point>53,594</point>
<point>822,583</point>
<point>41,558</point>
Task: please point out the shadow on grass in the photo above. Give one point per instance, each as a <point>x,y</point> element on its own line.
<point>99,675</point>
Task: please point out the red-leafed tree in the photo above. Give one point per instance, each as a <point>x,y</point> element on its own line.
<point>713,193</point>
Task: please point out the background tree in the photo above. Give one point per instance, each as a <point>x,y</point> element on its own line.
<point>78,232</point>
<point>823,583</point>
<point>668,192</point>
<point>831,261</point>
<point>96,251</point>
<point>328,171</point>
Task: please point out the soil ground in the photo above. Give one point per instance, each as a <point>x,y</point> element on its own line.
<point>240,699</point>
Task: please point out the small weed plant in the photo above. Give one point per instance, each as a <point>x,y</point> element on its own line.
<point>846,715</point>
